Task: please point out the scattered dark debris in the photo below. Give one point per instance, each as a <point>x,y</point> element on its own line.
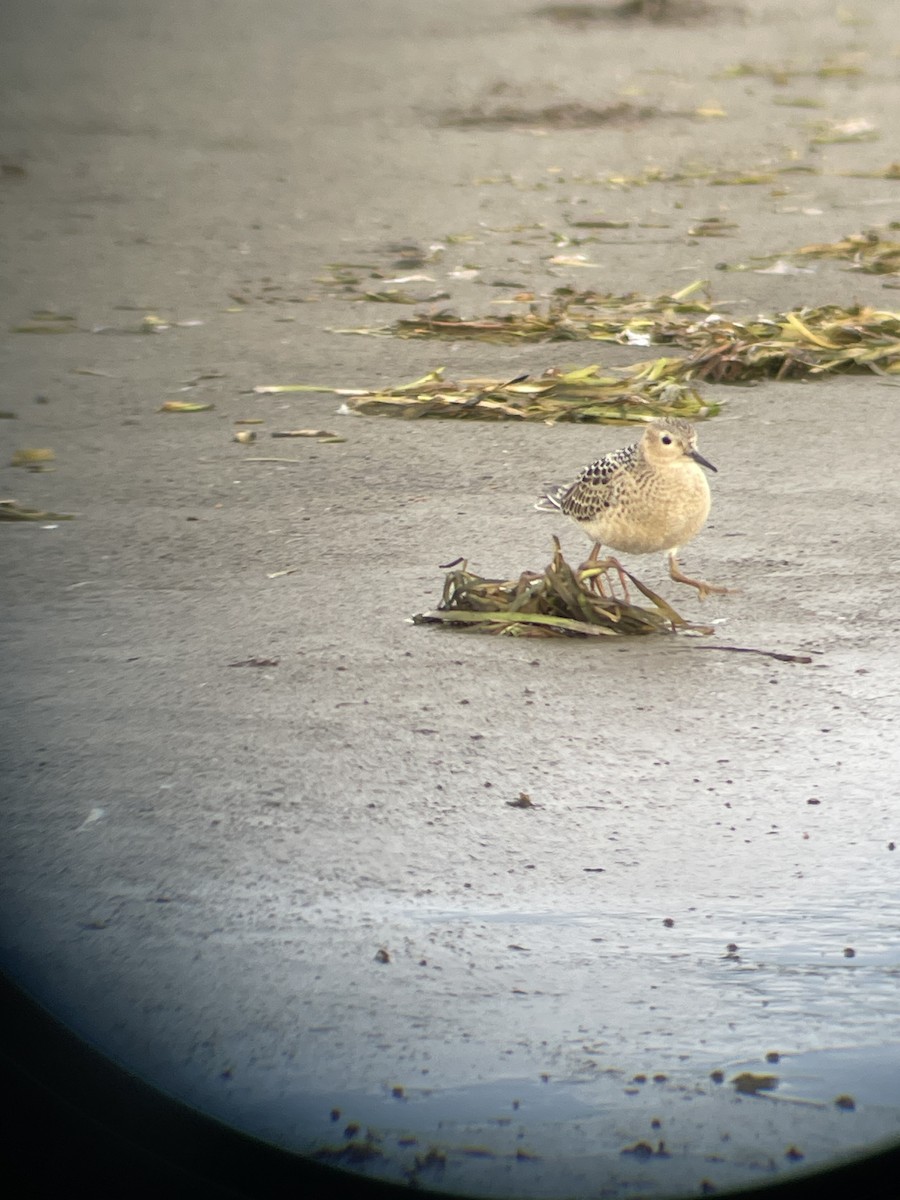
<point>645,1150</point>
<point>794,1154</point>
<point>256,662</point>
<point>659,12</point>
<point>849,952</point>
<point>382,956</point>
<point>776,654</point>
<point>351,1154</point>
<point>772,1056</point>
<point>668,922</point>
<point>398,296</point>
<point>845,1102</point>
<point>712,227</point>
<point>266,291</point>
<point>434,1157</point>
<point>522,801</point>
<point>717,1076</point>
<point>750,1083</point>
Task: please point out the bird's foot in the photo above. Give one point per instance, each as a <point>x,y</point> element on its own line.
<point>704,589</point>
<point>592,572</point>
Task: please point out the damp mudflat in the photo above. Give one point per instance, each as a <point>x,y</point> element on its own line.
<point>648,1080</point>
<point>264,840</point>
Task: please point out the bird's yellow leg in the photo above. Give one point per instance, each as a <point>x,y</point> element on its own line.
<point>704,589</point>
<point>594,568</point>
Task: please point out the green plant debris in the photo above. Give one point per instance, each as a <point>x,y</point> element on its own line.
<point>798,344</point>
<point>891,171</point>
<point>797,102</point>
<point>559,602</point>
<point>804,341</point>
<point>185,406</point>
<point>742,178</point>
<point>571,315</point>
<point>712,227</point>
<point>845,66</point>
<point>589,394</point>
<point>391,296</point>
<point>32,459</point>
<point>321,434</point>
<point>854,129</point>
<point>11,510</point>
<point>349,274</point>
<point>47,321</point>
<point>868,252</point>
<point>689,173</point>
<point>565,115</point>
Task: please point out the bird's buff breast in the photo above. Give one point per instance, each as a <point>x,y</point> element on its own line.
<point>651,514</point>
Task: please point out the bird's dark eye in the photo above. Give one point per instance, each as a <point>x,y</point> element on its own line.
<point>666,440</point>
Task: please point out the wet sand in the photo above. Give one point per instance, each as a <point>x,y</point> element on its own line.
<point>201,862</point>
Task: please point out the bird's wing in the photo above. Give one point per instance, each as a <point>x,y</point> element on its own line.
<point>551,501</point>
<point>595,482</point>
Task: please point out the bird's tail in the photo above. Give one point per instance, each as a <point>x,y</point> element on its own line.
<point>551,501</point>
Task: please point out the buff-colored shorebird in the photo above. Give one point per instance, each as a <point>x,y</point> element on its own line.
<point>650,496</point>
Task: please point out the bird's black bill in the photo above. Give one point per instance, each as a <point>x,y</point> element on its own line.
<point>704,462</point>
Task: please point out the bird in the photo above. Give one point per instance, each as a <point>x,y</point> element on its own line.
<point>652,495</point>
